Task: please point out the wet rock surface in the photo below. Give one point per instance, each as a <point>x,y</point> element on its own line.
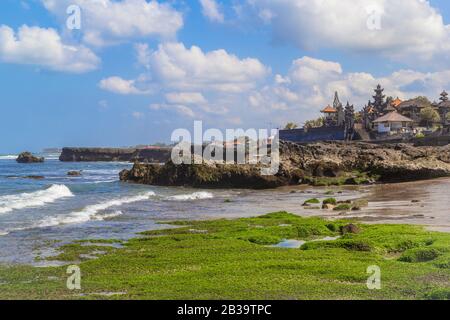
<point>324,163</point>
<point>28,157</point>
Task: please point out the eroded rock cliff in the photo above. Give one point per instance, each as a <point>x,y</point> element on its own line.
<point>154,155</point>
<point>318,164</point>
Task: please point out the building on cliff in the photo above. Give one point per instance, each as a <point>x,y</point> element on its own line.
<point>393,122</point>
<point>338,125</point>
<point>382,118</point>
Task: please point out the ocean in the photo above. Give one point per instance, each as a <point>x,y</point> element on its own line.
<point>37,215</point>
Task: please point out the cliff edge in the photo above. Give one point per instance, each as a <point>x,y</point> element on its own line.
<point>331,163</point>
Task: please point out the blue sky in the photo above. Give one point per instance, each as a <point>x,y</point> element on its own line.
<point>131,74</point>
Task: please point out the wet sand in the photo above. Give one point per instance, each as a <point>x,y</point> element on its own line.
<point>424,203</point>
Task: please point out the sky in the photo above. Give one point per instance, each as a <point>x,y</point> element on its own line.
<point>129,72</point>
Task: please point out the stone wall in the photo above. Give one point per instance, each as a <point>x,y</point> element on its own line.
<point>313,135</point>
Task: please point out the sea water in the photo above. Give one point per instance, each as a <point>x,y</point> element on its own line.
<point>36,215</point>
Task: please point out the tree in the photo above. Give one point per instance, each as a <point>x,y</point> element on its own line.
<point>291,126</point>
<point>429,116</point>
<point>317,123</point>
<point>424,102</point>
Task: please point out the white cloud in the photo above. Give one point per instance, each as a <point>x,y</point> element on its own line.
<point>179,109</point>
<point>175,68</point>
<point>185,98</point>
<point>44,48</point>
<point>137,115</point>
<point>181,78</point>
<point>121,86</point>
<point>211,10</point>
<point>310,84</point>
<point>178,67</point>
<point>410,29</point>
<point>142,54</point>
<point>107,22</point>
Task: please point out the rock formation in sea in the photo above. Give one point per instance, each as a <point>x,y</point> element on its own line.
<point>153,155</point>
<point>330,163</point>
<point>74,173</point>
<point>28,157</point>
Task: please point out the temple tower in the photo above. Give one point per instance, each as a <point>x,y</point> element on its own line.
<point>349,121</point>
<point>379,101</point>
<point>337,105</point>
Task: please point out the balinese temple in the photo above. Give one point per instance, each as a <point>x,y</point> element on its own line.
<point>444,109</point>
<point>329,116</point>
<point>379,104</point>
<point>392,123</point>
<point>412,108</point>
<point>339,125</point>
<point>349,122</point>
<point>376,109</point>
<point>334,116</point>
<point>395,103</point>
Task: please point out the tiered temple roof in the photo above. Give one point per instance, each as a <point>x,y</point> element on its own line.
<point>329,109</point>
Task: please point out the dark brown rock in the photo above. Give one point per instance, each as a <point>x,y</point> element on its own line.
<point>151,155</point>
<point>27,157</point>
<point>300,163</point>
<point>74,173</point>
<point>35,177</point>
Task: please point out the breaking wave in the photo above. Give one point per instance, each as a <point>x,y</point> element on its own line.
<point>193,196</point>
<point>92,212</point>
<point>8,157</point>
<point>40,198</point>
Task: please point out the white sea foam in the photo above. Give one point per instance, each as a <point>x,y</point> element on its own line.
<point>92,212</point>
<point>40,198</point>
<point>192,196</point>
<point>8,157</point>
<point>101,217</point>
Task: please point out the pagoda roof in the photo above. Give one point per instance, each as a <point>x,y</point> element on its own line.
<point>329,109</point>
<point>393,117</point>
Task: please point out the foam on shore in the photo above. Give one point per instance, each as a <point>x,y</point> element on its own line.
<point>39,198</point>
<point>192,196</point>
<point>93,212</point>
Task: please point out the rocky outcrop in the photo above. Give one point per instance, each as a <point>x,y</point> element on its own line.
<point>341,163</point>
<point>74,173</point>
<point>27,157</point>
<point>154,155</point>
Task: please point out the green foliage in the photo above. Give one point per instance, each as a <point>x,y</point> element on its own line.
<point>429,116</point>
<point>317,123</point>
<point>420,135</point>
<point>332,201</point>
<point>312,201</point>
<point>420,255</point>
<point>290,126</point>
<point>343,207</point>
<point>233,259</point>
